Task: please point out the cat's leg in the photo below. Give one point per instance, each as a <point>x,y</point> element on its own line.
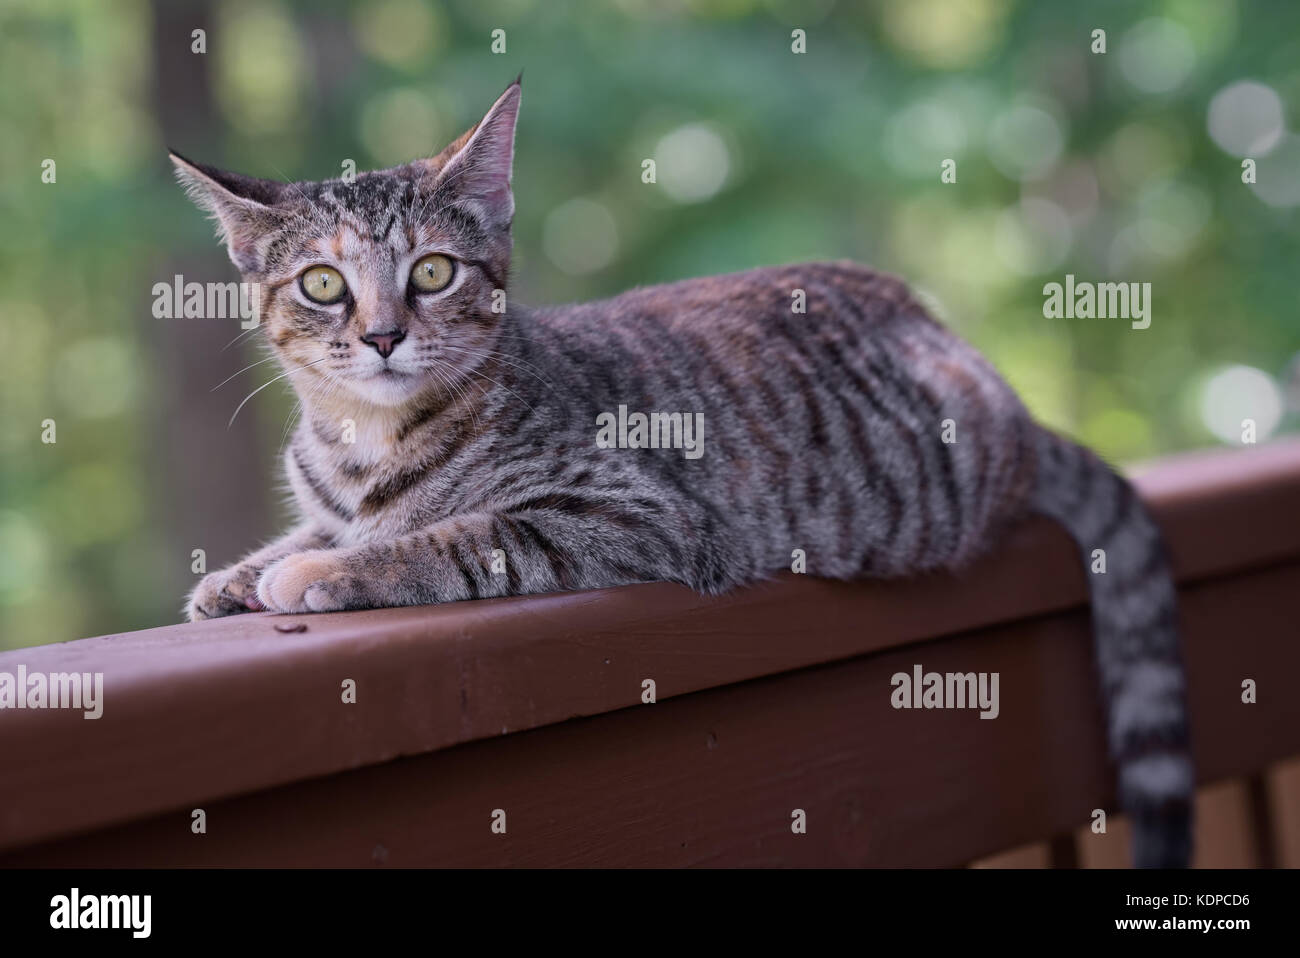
<point>233,590</point>
<point>484,554</point>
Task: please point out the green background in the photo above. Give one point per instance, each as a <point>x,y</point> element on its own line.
<point>1068,161</point>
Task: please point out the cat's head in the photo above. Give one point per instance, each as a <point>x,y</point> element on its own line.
<point>384,285</point>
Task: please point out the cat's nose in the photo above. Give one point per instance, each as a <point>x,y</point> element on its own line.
<point>385,343</point>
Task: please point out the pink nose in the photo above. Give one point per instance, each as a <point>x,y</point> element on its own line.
<point>385,343</point>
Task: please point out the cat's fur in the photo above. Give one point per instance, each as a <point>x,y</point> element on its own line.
<point>823,433</point>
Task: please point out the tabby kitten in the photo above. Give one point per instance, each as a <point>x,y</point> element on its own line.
<point>441,424</point>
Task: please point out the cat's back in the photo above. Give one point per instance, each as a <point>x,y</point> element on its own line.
<point>752,300</point>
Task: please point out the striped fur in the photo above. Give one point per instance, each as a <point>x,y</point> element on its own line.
<point>1135,625</point>
<point>824,432</point>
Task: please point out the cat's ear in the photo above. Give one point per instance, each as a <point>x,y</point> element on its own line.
<point>476,168</point>
<point>244,207</point>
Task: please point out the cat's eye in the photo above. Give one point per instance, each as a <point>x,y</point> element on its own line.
<point>431,273</point>
<point>323,284</point>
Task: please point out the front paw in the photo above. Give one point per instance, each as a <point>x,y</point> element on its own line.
<point>316,581</point>
<point>225,592</point>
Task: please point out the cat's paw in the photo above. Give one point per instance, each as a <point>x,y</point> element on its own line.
<point>316,581</point>
<point>225,592</point>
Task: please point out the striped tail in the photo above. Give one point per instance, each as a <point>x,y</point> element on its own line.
<point>1135,633</point>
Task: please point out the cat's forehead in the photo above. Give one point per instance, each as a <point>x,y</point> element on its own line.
<point>368,203</point>
<point>359,220</point>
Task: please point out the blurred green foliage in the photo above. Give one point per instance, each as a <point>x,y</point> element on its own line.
<point>1107,166</point>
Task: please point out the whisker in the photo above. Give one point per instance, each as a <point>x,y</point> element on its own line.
<point>264,385</point>
<point>458,392</point>
<point>530,406</point>
<point>322,389</point>
<point>246,332</point>
<point>244,370</point>
<point>503,358</point>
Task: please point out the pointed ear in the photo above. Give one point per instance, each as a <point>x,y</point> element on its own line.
<point>476,168</point>
<point>243,207</point>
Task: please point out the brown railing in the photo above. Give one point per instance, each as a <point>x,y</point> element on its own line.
<point>769,700</point>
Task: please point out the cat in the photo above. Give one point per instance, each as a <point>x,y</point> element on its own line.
<point>448,443</point>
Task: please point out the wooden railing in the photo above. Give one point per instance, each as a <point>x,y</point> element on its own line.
<point>530,712</point>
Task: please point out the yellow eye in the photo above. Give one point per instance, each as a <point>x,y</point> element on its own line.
<point>323,284</point>
<point>431,273</point>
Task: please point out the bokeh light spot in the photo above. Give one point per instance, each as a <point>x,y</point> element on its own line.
<point>1245,119</point>
<point>1239,393</point>
<point>580,236</point>
<point>261,67</point>
<point>692,163</point>
<point>1156,55</point>
<point>922,135</point>
<point>945,33</point>
<point>401,33</point>
<point>1025,141</point>
<point>400,125</point>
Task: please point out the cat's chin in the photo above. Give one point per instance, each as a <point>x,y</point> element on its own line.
<point>389,388</point>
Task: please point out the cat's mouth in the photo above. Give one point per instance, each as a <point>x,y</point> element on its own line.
<point>387,386</point>
<point>387,373</point>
